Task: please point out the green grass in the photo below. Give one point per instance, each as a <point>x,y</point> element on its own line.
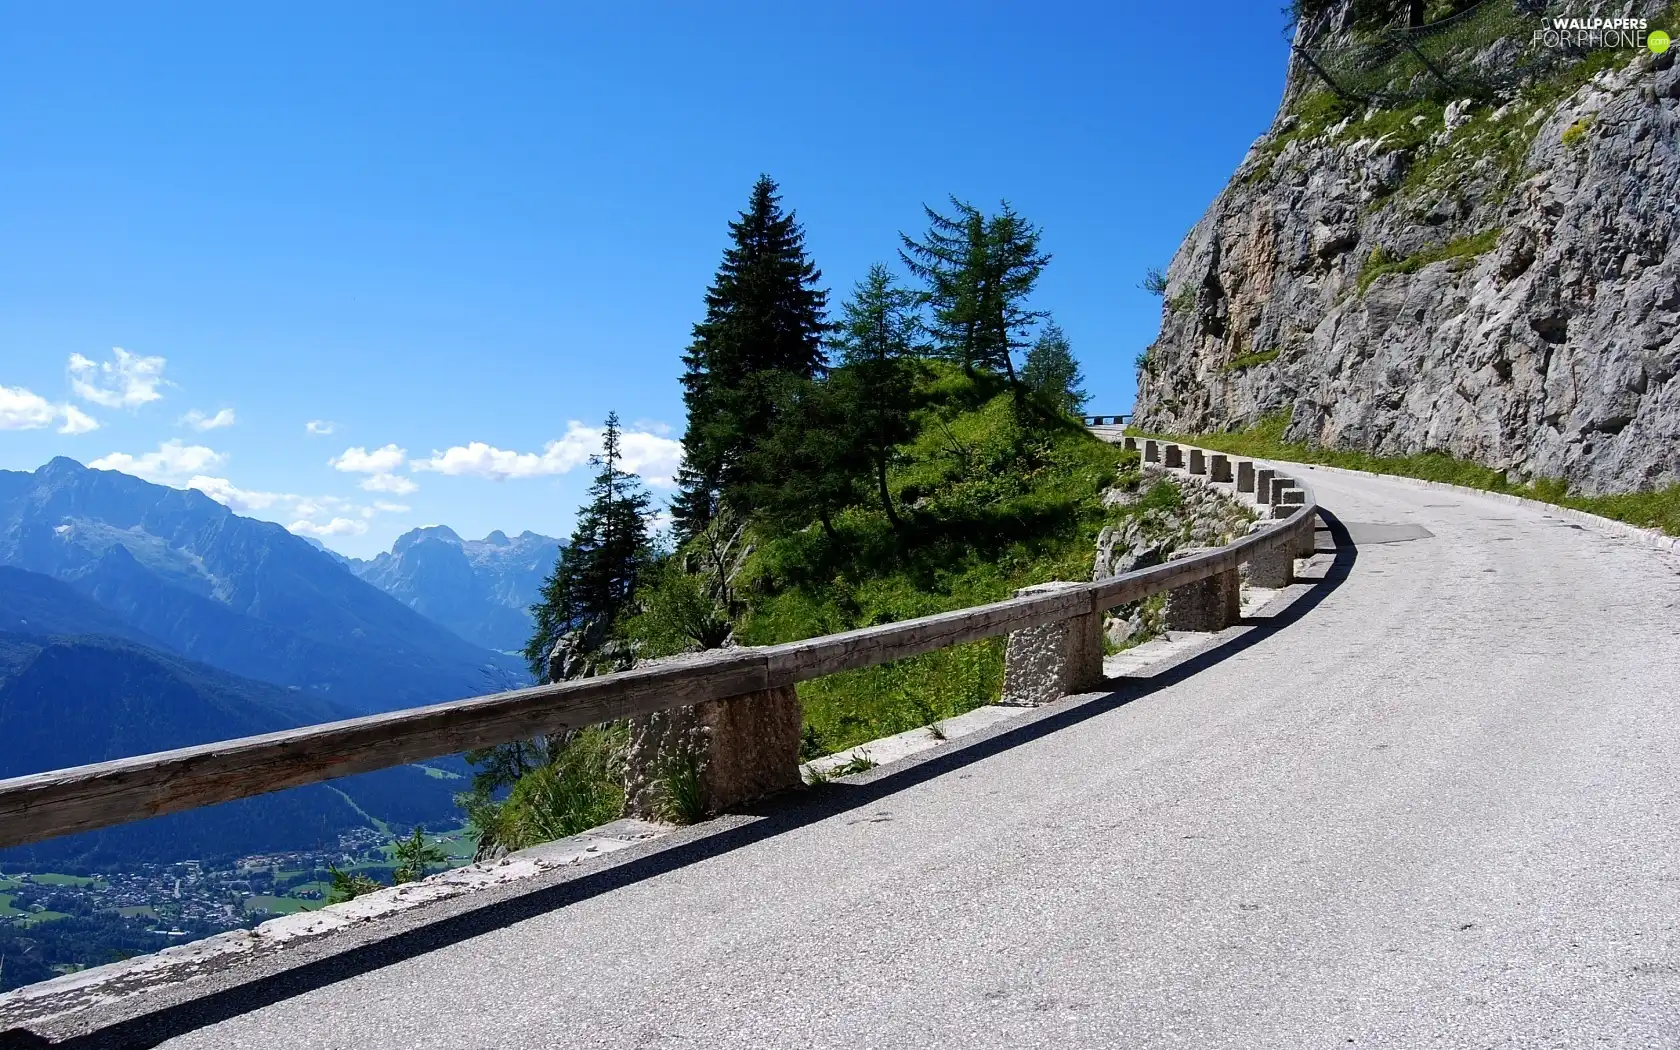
<point>50,879</point>
<point>6,909</point>
<point>1574,133</point>
<point>1459,252</point>
<point>1652,510</point>
<point>138,911</point>
<point>989,506</point>
<point>1251,359</point>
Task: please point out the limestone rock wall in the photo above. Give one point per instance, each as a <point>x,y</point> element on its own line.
<point>1543,338</point>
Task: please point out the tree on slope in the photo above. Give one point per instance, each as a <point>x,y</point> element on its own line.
<point>1052,373</point>
<point>765,322</point>
<point>878,340</point>
<point>978,272</point>
<point>589,594</point>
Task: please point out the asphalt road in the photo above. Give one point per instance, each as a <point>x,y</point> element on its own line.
<point>1440,809</point>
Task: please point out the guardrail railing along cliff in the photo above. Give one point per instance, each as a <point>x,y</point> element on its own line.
<point>733,713</point>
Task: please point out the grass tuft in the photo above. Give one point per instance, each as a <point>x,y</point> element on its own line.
<point>1459,253</point>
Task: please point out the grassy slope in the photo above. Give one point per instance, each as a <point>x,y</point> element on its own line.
<point>993,511</point>
<point>1652,510</point>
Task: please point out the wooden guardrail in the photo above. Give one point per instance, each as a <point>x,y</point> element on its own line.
<point>83,798</point>
<point>1111,420</point>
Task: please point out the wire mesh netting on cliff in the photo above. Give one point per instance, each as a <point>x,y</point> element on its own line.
<point>1479,51</point>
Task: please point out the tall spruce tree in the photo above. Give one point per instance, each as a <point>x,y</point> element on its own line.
<point>978,272</point>
<point>1052,373</point>
<point>878,338</point>
<point>589,594</point>
<point>765,322</point>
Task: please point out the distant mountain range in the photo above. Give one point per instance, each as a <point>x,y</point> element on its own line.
<point>238,594</point>
<point>480,589</point>
<point>138,618</point>
<point>69,696</point>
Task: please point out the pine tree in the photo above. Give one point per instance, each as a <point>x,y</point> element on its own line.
<point>765,321</point>
<point>877,338</point>
<point>979,272</point>
<point>1052,373</point>
<point>589,594</point>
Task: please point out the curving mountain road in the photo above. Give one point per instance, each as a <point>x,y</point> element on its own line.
<point>1441,807</point>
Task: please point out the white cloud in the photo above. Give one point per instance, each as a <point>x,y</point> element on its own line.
<point>395,484</point>
<point>361,461</point>
<point>651,455</point>
<point>335,527</point>
<point>240,501</point>
<point>22,409</point>
<point>318,427</point>
<point>315,506</point>
<point>392,508</point>
<point>128,381</point>
<point>76,421</point>
<point>201,422</point>
<point>171,461</point>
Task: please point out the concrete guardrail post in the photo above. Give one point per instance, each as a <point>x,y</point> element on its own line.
<point>1307,540</point>
<point>737,749</point>
<point>1174,458</point>
<point>1152,451</point>
<point>1045,663</point>
<point>1290,497</point>
<point>1198,461</point>
<point>1212,604</point>
<point>1219,467</point>
<point>1245,475</point>
<point>1279,483</point>
<point>1272,565</point>
<point>1130,445</point>
<point>1263,485</point>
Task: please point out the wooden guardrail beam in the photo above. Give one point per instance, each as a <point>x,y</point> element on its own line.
<point>83,798</point>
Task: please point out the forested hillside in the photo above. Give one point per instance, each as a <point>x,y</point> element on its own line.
<point>910,452</point>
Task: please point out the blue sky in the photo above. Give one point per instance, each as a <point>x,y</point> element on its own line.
<point>453,236</point>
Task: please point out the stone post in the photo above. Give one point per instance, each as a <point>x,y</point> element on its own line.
<point>1212,604</point>
<point>1279,483</point>
<point>1272,566</point>
<point>1290,497</point>
<point>1245,475</point>
<point>1151,451</point>
<point>1263,485</point>
<point>1283,510</point>
<point>1045,663</point>
<point>726,752</point>
<point>1307,540</point>
<point>1175,457</point>
<point>1130,444</point>
<point>1198,462</point>
<point>1219,467</point>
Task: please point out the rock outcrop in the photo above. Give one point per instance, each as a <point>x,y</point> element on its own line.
<point>1494,279</point>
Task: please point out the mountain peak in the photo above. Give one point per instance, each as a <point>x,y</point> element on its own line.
<point>497,538</point>
<point>60,466</point>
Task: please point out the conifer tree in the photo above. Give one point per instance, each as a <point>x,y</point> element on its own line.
<point>878,340</point>
<point>765,321</point>
<point>1052,373</point>
<point>589,593</point>
<point>978,271</point>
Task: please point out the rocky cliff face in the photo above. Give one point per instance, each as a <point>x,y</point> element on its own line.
<point>1498,280</point>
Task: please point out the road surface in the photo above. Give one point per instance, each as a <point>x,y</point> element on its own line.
<point>1439,809</point>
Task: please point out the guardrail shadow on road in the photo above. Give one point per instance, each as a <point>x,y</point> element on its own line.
<point>417,935</point>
